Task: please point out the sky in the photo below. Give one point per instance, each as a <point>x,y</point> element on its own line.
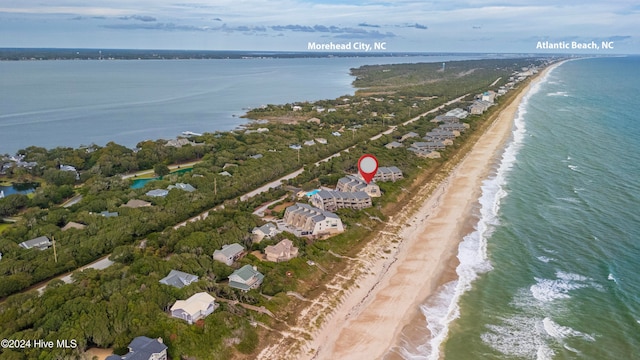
<point>515,26</point>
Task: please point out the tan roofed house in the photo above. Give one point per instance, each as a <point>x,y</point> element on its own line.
<point>134,204</point>
<point>282,251</point>
<point>73,225</point>
<point>196,307</point>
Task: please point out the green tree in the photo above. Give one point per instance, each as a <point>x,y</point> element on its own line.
<point>161,169</point>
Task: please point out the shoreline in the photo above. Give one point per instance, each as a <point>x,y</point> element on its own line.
<point>425,259</point>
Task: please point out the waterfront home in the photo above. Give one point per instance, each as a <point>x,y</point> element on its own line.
<point>321,141</point>
<point>306,220</point>
<point>197,307</point>
<point>179,142</point>
<point>134,204</point>
<point>40,243</point>
<point>73,225</point>
<point>309,143</point>
<point>454,127</point>
<point>353,183</point>
<point>330,200</point>
<point>282,251</point>
<point>265,231</point>
<point>143,348</point>
<point>439,134</point>
<point>389,173</point>
<point>157,193</point>
<point>246,278</point>
<point>229,253</point>
<point>296,108</point>
<point>295,147</point>
<point>178,279</point>
<point>428,146</point>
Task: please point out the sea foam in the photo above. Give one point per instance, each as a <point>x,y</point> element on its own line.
<point>472,251</point>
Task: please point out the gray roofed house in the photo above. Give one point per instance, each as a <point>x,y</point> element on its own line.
<point>229,253</point>
<point>393,145</point>
<point>182,186</point>
<point>246,278</point>
<point>109,214</point>
<point>157,193</point>
<point>431,145</point>
<point>143,348</point>
<point>447,119</point>
<point>256,156</point>
<point>334,200</point>
<point>408,135</point>
<point>40,243</point>
<point>178,279</point>
<point>306,220</point>
<point>457,112</point>
<point>352,183</point>
<point>267,230</point>
<point>389,173</point>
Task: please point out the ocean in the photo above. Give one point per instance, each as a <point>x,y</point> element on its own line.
<point>551,271</point>
<point>73,103</point>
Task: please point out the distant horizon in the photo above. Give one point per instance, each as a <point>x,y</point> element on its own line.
<point>484,26</point>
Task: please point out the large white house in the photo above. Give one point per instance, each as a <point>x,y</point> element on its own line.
<point>307,220</point>
<point>330,200</point>
<point>196,307</point>
<point>353,183</point>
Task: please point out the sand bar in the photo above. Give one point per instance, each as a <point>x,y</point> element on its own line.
<point>369,320</point>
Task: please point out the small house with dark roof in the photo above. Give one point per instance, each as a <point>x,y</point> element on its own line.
<point>143,348</point>
<point>178,279</point>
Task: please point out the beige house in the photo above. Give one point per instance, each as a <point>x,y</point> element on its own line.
<point>353,183</point>
<point>282,251</point>
<point>73,225</point>
<point>330,200</point>
<point>134,204</point>
<point>196,307</point>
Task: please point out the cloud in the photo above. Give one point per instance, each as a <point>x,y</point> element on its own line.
<point>417,26</point>
<point>368,25</point>
<point>216,19</point>
<point>142,18</point>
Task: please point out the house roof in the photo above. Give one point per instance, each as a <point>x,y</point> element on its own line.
<point>280,248</point>
<point>143,347</point>
<point>196,303</point>
<point>157,192</point>
<point>230,250</point>
<point>178,279</point>
<point>73,225</point>
<point>245,273</point>
<point>134,203</point>
<point>41,242</point>
<point>182,186</point>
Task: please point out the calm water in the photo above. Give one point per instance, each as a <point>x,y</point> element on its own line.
<point>69,103</point>
<point>552,272</point>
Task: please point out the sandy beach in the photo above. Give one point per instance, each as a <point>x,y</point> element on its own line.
<point>370,319</point>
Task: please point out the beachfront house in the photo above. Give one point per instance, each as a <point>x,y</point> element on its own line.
<point>330,200</point>
<point>143,348</point>
<point>353,183</point>
<point>457,112</point>
<point>197,307</point>
<point>306,220</point>
<point>389,173</point>
<point>246,278</point>
<point>282,251</point>
<point>229,253</point>
<point>40,243</point>
<point>178,279</point>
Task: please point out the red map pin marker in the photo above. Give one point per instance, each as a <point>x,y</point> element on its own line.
<point>368,167</point>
